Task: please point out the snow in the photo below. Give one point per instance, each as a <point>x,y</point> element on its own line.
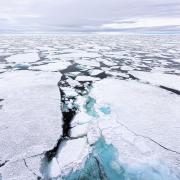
<point>17,171</point>
<point>72,82</point>
<point>108,62</point>
<point>20,58</point>
<point>95,72</point>
<point>147,110</point>
<point>69,91</point>
<point>89,63</point>
<point>79,54</point>
<point>54,168</point>
<point>168,80</point>
<point>86,78</point>
<point>126,68</point>
<point>80,130</point>
<point>81,118</point>
<point>30,116</point>
<point>176,60</point>
<point>67,159</point>
<point>134,132</point>
<point>55,66</point>
<point>115,73</point>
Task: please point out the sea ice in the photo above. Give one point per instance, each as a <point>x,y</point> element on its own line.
<point>30,118</point>
<point>147,110</point>
<point>20,58</point>
<point>86,78</point>
<point>54,66</point>
<point>137,139</point>
<point>167,80</point>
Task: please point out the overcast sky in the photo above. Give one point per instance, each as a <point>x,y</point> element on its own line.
<point>90,15</point>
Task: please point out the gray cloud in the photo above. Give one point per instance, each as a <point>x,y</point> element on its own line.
<point>86,15</point>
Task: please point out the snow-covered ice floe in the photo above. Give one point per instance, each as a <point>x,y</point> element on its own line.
<point>137,139</point>
<point>160,79</point>
<point>20,58</point>
<point>30,121</point>
<point>54,66</point>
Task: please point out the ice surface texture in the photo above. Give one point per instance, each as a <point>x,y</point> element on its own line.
<point>89,107</point>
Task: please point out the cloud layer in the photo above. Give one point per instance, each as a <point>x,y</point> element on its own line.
<point>89,15</point>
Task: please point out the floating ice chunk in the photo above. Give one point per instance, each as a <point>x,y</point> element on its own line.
<point>54,56</point>
<point>66,157</point>
<point>168,80</point>
<point>115,67</point>
<point>139,107</point>
<point>108,62</point>
<point>177,71</point>
<point>5,54</point>
<point>19,58</point>
<point>74,73</point>
<point>81,118</point>
<point>16,171</point>
<point>172,51</point>
<point>176,60</point>
<point>79,131</point>
<point>115,73</point>
<point>34,163</point>
<point>72,82</point>
<point>54,168</point>
<point>95,72</point>
<point>86,78</point>
<point>69,91</point>
<point>55,66</point>
<point>126,68</point>
<point>105,68</point>
<point>89,63</point>
<point>35,129</point>
<point>83,68</point>
<point>79,54</point>
<point>93,133</point>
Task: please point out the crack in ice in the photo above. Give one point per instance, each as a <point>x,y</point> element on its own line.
<point>25,163</point>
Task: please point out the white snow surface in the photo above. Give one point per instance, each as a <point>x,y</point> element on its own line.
<point>68,160</point>
<point>146,110</point>
<point>89,63</point>
<point>29,119</point>
<point>96,72</point>
<point>55,66</point>
<point>20,58</point>
<point>86,78</point>
<point>168,80</point>
<point>143,124</point>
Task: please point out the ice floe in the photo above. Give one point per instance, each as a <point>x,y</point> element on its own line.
<point>139,106</point>
<point>86,78</point>
<point>55,66</point>
<point>30,117</point>
<point>27,57</point>
<point>167,80</point>
<point>136,139</point>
